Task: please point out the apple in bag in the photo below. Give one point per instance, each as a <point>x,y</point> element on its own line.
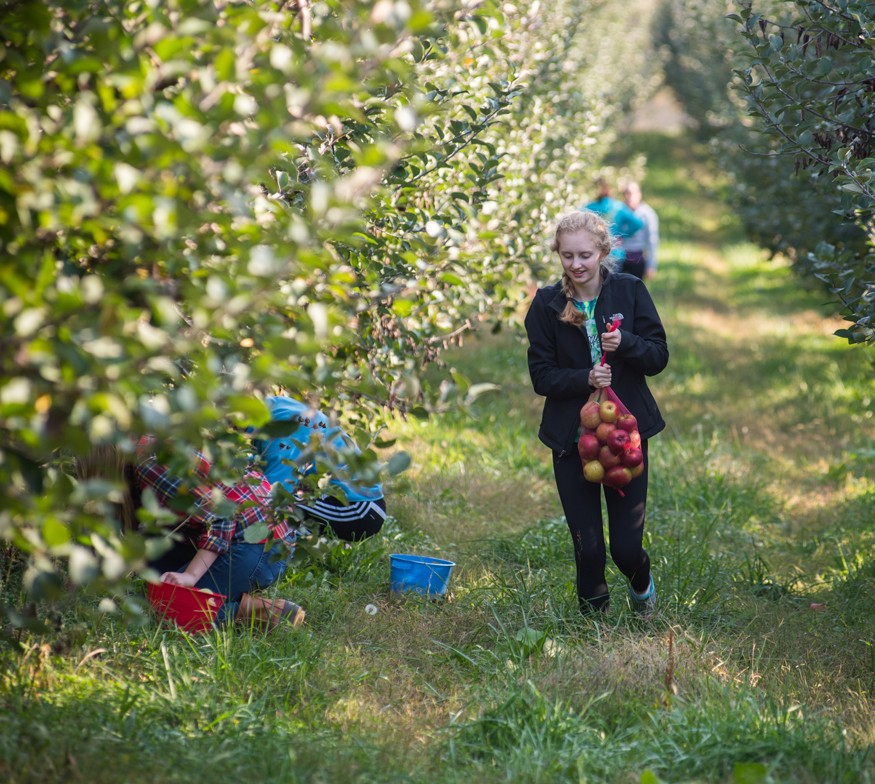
<point>590,415</point>
<point>588,446</point>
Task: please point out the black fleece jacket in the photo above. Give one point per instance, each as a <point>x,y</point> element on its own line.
<point>560,361</point>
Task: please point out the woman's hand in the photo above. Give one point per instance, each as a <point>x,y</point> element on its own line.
<point>611,340</point>
<point>600,376</point>
<point>184,579</point>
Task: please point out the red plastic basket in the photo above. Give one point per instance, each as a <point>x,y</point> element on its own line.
<point>192,609</point>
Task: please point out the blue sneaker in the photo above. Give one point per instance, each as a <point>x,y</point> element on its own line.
<point>644,603</point>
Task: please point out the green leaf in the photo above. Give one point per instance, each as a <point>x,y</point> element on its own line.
<point>531,640</point>
<point>451,278</point>
<point>55,533</point>
<point>256,533</point>
<point>226,64</point>
<point>749,773</point>
<point>476,390</point>
<point>279,428</point>
<point>398,463</point>
<point>403,307</point>
<point>252,408</point>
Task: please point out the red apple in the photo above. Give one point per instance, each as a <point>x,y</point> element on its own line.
<point>619,476</point>
<point>637,470</point>
<point>635,438</point>
<point>609,411</point>
<point>590,416</point>
<point>617,440</point>
<point>594,471</point>
<point>632,457</point>
<point>588,446</point>
<point>603,431</point>
<point>607,458</point>
<point>627,422</point>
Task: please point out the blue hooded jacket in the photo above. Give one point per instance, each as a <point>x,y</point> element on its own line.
<point>282,456</point>
<point>621,220</point>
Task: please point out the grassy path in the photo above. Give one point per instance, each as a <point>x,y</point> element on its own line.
<point>762,504</point>
<point>761,508</point>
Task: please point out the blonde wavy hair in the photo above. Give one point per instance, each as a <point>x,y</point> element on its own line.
<point>595,226</point>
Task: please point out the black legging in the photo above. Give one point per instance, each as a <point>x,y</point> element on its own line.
<point>581,501</point>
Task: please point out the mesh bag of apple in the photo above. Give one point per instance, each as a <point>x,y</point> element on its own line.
<point>609,443</point>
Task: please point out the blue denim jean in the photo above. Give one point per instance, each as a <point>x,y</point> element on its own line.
<point>243,569</point>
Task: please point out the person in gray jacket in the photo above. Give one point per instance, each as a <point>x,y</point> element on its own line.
<point>567,326</point>
<point>642,247</point>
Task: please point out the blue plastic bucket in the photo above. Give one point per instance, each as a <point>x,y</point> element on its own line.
<point>419,573</point>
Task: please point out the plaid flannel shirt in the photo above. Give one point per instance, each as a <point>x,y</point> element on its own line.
<point>213,532</point>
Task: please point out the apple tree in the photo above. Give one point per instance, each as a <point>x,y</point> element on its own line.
<point>787,105</point>
<point>808,82</point>
<point>203,201</point>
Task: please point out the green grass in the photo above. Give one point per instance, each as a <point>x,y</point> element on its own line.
<point>760,508</point>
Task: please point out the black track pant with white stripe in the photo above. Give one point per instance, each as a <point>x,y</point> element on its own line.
<point>348,521</point>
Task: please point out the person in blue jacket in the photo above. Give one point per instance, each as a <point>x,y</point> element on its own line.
<point>354,508</point>
<point>621,219</point>
<point>567,326</point>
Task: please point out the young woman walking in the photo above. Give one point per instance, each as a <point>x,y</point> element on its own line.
<point>567,330</point>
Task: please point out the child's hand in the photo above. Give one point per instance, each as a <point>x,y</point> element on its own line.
<point>179,578</point>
